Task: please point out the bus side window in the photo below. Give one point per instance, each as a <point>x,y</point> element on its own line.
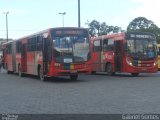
<point>97,46</point>
<point>49,50</point>
<point>105,44</point>
<point>39,43</point>
<point>158,50</point>
<point>31,44</point>
<point>108,45</point>
<point>18,46</point>
<point>9,49</point>
<point>34,43</point>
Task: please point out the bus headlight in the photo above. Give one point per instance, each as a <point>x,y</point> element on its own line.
<point>129,62</point>
<point>155,63</point>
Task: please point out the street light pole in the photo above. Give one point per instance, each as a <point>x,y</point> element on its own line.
<point>62,17</point>
<point>79,19</point>
<point>6,13</point>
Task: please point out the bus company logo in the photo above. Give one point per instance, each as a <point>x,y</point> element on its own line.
<point>103,56</point>
<point>108,56</point>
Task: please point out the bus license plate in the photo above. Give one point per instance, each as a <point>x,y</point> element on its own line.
<point>143,69</point>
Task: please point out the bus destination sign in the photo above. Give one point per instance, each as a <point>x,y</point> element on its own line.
<point>141,36</point>
<point>69,32</point>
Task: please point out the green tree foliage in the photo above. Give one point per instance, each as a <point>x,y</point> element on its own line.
<point>97,28</point>
<point>142,24</point>
<point>94,27</point>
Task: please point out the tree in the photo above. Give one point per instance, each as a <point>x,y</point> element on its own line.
<point>103,29</point>
<point>142,24</point>
<point>94,27</point>
<point>97,28</point>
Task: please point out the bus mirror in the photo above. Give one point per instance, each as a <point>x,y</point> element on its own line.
<point>45,35</point>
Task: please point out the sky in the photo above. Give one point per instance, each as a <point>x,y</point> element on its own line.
<point>30,16</point>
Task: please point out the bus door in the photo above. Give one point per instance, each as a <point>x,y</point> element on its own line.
<point>96,55</point>
<point>47,54</point>
<point>158,57</point>
<point>118,55</point>
<point>24,58</point>
<point>14,55</point>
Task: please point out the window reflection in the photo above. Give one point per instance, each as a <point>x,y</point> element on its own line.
<point>141,48</point>
<point>76,47</point>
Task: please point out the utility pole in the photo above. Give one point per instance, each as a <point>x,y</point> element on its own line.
<point>79,16</point>
<point>6,13</point>
<point>62,17</point>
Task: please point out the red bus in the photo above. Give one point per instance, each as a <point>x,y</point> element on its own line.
<point>130,52</point>
<point>53,52</point>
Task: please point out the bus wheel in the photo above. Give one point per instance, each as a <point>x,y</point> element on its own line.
<point>20,74</point>
<point>109,69</point>
<point>73,77</point>
<point>135,74</point>
<point>8,72</point>
<point>42,77</point>
<point>93,72</point>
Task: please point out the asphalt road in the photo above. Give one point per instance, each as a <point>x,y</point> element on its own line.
<point>89,94</point>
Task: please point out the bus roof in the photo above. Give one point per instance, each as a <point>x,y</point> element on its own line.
<point>122,34</point>
<point>8,42</point>
<point>43,31</point>
<point>47,30</point>
<point>108,36</point>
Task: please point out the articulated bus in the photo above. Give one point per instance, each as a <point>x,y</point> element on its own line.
<point>158,45</point>
<point>130,52</point>
<point>53,52</point>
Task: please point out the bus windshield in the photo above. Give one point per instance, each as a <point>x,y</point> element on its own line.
<point>141,48</point>
<point>71,48</point>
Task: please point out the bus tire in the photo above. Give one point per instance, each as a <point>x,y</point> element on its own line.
<point>109,69</point>
<point>20,74</point>
<point>93,72</point>
<point>8,72</point>
<point>73,77</point>
<point>42,77</point>
<point>135,74</point>
<point>38,70</point>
